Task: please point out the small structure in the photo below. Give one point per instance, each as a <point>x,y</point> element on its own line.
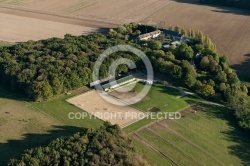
<point>150,35</point>
<point>166,45</point>
<point>117,82</point>
<point>175,43</point>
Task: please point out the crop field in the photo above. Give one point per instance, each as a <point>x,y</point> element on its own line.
<point>20,29</point>
<point>229,28</point>
<point>205,135</point>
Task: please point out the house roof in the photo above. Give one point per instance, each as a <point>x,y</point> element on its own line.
<point>150,34</point>
<point>118,80</point>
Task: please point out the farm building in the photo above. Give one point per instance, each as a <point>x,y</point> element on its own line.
<point>150,35</point>
<point>175,43</point>
<point>176,35</point>
<point>118,82</point>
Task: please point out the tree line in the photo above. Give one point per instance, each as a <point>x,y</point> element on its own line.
<point>107,145</point>
<point>43,69</point>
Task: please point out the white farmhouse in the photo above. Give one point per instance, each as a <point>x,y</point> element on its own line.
<point>150,35</point>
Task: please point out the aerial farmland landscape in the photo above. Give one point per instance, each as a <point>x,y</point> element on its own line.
<point>231,35</point>
<point>135,82</point>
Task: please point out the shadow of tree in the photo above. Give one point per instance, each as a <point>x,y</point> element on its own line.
<point>14,148</point>
<point>188,1</point>
<point>99,30</point>
<point>235,134</point>
<point>7,93</point>
<point>244,66</point>
<point>220,9</point>
<point>167,90</point>
<point>103,30</point>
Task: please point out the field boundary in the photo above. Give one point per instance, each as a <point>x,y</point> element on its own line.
<point>38,109</point>
<point>178,149</point>
<point>157,120</point>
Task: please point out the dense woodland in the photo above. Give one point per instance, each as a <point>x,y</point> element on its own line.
<point>107,145</point>
<point>46,68</point>
<point>244,4</point>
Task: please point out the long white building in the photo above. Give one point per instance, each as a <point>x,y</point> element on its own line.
<point>150,35</point>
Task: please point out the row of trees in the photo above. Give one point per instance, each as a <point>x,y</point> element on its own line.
<point>207,73</point>
<point>244,4</point>
<point>107,145</point>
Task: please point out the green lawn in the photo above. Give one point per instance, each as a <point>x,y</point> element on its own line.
<point>162,97</point>
<point>209,137</point>
<point>59,108</point>
<point>165,98</point>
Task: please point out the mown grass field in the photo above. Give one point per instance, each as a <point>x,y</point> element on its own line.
<point>165,98</point>
<point>23,127</point>
<point>162,97</point>
<point>207,137</point>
